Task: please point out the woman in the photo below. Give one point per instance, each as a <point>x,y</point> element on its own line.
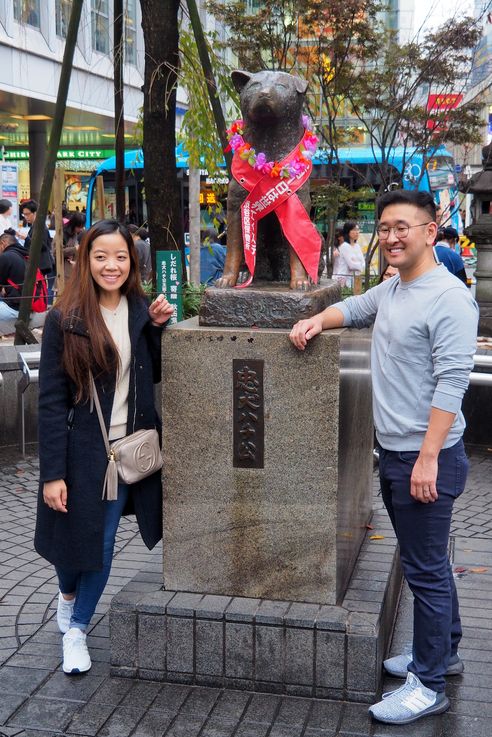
<point>71,235</point>
<point>102,326</point>
<point>388,272</point>
<point>350,260</point>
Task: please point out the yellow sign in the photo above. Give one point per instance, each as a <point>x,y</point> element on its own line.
<point>208,198</point>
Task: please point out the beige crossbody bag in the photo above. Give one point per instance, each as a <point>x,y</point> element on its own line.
<point>130,459</point>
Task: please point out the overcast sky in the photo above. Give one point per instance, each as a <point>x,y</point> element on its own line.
<point>435,12</point>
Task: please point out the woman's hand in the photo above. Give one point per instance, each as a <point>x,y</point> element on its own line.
<point>160,310</point>
<point>55,495</point>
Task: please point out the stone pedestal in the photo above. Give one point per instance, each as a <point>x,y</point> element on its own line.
<point>265,305</point>
<point>292,528</point>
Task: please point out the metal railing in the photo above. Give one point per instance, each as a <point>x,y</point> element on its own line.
<point>478,378</point>
<point>29,364</point>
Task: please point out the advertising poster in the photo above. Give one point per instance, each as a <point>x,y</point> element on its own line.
<point>9,188</point>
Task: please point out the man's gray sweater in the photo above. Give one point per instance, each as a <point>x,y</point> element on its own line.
<point>424,339</point>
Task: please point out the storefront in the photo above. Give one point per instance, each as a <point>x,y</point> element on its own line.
<point>77,165</point>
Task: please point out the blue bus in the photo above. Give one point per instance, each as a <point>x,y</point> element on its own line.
<point>359,166</point>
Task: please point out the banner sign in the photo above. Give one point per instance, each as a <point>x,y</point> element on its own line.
<point>168,277</point>
<point>441,104</point>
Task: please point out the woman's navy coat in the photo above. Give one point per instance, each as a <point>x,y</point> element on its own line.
<point>71,446</point>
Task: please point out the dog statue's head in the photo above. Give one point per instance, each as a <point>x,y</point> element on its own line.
<point>267,97</point>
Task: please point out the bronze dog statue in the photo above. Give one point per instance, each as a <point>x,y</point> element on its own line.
<point>271,106</point>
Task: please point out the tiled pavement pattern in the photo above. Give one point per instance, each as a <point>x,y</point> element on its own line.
<point>38,700</point>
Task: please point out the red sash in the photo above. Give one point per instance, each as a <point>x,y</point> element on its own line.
<point>275,194</point>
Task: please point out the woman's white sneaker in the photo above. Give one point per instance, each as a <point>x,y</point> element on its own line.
<point>76,658</point>
<point>64,612</point>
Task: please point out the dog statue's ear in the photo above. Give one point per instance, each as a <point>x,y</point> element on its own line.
<point>240,78</point>
<point>301,84</point>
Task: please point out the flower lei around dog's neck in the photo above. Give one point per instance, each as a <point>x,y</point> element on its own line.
<point>258,161</point>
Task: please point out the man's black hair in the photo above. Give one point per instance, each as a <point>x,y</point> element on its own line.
<point>423,200</point>
<point>8,237</point>
<point>30,205</point>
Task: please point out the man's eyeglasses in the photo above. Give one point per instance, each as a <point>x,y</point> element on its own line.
<point>400,231</point>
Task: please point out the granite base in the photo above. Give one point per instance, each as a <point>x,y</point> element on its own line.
<point>290,526</point>
<point>295,648</point>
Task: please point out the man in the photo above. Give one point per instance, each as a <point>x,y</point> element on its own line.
<point>452,261</point>
<point>424,339</point>
<point>448,237</point>
<point>445,250</point>
<point>29,213</point>
<point>12,269</point>
<point>212,257</point>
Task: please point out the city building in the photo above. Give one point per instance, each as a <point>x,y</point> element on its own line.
<point>32,41</point>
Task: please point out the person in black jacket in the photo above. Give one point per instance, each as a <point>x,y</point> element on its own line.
<point>101,325</point>
<point>12,269</point>
<point>29,213</point>
<point>46,259</point>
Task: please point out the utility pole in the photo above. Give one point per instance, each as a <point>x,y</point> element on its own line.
<point>22,332</point>
<point>119,115</point>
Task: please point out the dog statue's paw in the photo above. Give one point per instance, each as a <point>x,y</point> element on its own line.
<point>303,284</point>
<point>226,281</point>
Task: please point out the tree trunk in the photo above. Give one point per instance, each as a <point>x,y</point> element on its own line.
<point>162,191</point>
<point>22,333</point>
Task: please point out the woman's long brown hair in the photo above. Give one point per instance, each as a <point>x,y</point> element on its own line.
<point>95,352</point>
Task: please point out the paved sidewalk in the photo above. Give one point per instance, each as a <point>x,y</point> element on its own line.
<point>38,700</point>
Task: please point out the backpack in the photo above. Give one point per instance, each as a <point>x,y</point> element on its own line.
<point>40,294</point>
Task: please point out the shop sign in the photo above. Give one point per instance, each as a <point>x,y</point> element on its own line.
<point>77,154</point>
<point>208,198</point>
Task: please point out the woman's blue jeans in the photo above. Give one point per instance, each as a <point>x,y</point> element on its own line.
<point>423,536</point>
<point>88,586</point>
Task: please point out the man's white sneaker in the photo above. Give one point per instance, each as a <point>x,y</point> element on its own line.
<point>76,658</point>
<point>64,613</point>
<point>408,703</point>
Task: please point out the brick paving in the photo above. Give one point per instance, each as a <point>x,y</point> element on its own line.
<point>38,700</point>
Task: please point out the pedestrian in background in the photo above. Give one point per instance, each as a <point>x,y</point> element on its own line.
<point>142,245</point>
<point>101,327</point>
<point>5,215</point>
<point>212,257</point>
<point>46,258</point>
<point>350,260</point>
<point>71,237</point>
<point>423,343</point>
<point>13,266</point>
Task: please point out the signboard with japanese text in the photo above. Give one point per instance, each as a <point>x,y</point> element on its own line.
<point>169,281</point>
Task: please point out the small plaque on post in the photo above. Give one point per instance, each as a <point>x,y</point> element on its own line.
<point>248,414</point>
